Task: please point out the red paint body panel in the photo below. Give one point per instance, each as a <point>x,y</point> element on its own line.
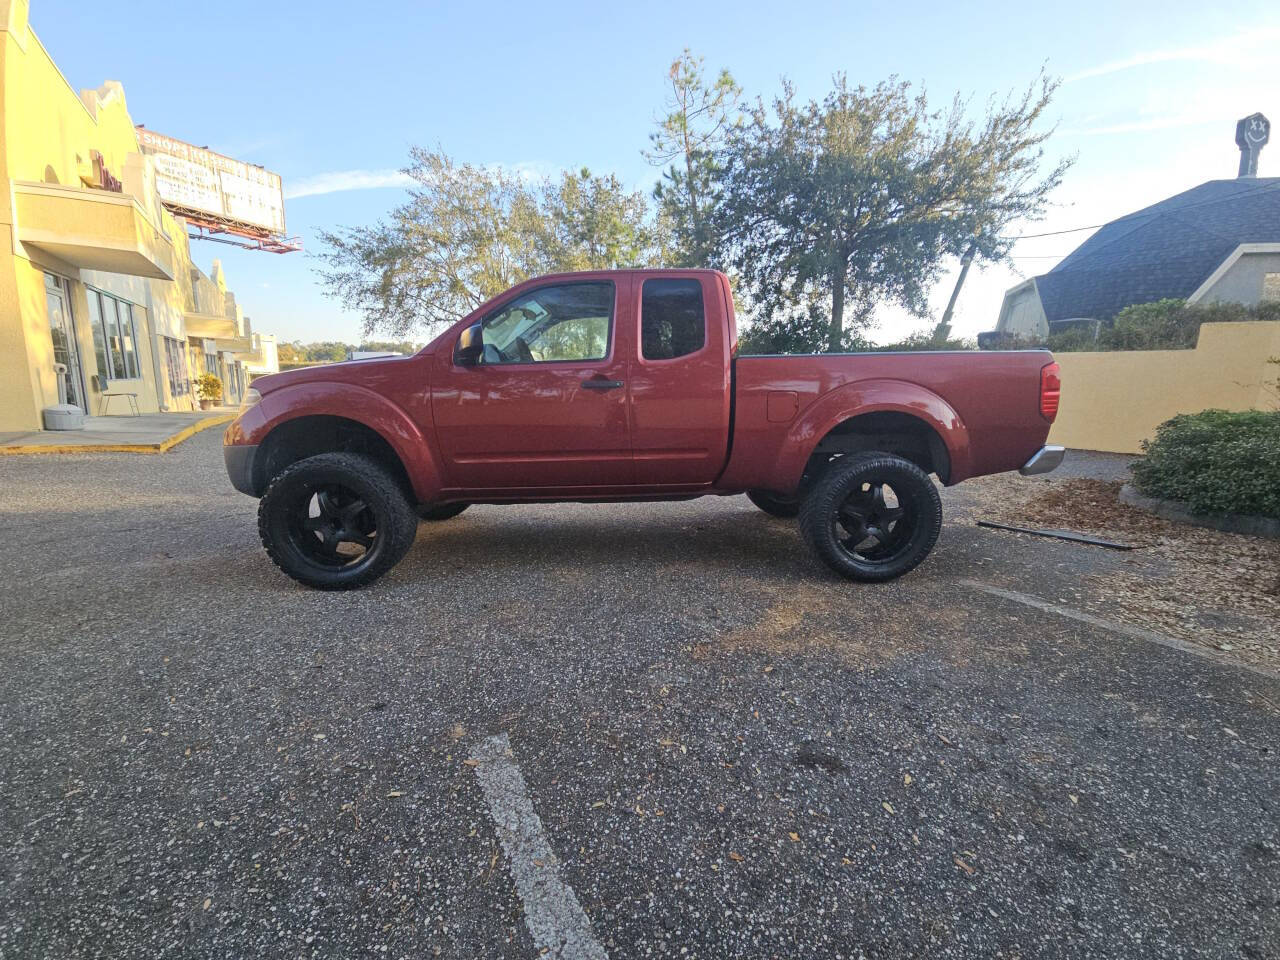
<point>390,396</point>
<point>680,408</point>
<point>517,425</point>
<point>531,431</point>
<point>985,407</point>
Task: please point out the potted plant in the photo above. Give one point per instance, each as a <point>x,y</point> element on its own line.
<point>209,389</point>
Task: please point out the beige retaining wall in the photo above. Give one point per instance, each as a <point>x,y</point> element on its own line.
<point>1114,401</point>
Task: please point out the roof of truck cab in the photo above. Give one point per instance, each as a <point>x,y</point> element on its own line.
<point>618,271</point>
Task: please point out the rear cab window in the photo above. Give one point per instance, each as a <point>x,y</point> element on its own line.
<point>673,321</point>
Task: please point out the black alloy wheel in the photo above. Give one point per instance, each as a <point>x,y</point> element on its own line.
<point>872,516</point>
<point>333,526</point>
<point>336,521</point>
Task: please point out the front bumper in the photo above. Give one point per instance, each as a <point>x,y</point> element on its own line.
<point>239,460</point>
<point>1047,458</point>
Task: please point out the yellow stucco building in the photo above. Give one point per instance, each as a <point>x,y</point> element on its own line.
<point>100,302</point>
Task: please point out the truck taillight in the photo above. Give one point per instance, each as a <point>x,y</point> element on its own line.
<point>1050,391</point>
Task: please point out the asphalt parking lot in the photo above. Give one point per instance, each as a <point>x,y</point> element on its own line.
<point>653,730</point>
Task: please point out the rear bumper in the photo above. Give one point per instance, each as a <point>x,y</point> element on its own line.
<point>1047,458</point>
<point>239,461</point>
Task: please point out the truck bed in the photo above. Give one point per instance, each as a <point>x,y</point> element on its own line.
<point>984,406</point>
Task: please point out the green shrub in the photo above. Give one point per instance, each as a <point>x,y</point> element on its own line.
<point>925,340</point>
<point>1215,461</point>
<point>1175,324</point>
<point>1162,325</point>
<point>1072,341</point>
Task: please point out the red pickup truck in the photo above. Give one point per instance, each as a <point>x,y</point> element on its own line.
<point>626,385</point>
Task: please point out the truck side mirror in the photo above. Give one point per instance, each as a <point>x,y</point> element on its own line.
<point>470,346</point>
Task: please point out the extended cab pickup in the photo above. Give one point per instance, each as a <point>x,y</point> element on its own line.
<point>626,385</point>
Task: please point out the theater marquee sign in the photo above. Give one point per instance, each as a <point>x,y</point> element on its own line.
<point>198,183</point>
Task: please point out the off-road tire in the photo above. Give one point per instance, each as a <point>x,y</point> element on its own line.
<point>775,504</point>
<point>842,485</point>
<point>446,511</point>
<point>390,516</point>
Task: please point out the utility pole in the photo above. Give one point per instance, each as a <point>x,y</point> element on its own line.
<point>943,330</point>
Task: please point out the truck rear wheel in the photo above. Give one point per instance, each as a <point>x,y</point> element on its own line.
<point>336,521</point>
<point>775,504</point>
<point>872,516</point>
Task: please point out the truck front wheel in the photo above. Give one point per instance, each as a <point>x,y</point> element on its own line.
<point>872,516</point>
<point>336,521</point>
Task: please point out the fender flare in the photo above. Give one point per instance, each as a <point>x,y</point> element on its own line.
<point>873,396</point>
<point>360,405</point>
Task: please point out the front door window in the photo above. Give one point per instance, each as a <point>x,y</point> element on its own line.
<point>569,322</point>
<point>62,330</point>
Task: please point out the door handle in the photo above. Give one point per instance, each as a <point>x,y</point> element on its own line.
<point>595,384</point>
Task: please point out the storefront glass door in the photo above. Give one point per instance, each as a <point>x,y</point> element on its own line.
<point>58,298</point>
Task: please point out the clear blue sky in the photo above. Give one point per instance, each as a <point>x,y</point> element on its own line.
<point>332,95</point>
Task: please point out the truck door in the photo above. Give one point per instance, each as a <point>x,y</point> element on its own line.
<point>680,379</point>
<point>546,406</point>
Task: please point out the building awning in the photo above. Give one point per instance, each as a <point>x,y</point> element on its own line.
<point>92,229</point>
<point>236,345</point>
<point>209,325</point>
<point>254,355</point>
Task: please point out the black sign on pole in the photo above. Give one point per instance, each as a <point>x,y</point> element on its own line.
<point>1252,134</point>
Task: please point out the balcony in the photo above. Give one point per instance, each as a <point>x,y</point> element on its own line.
<point>211,326</point>
<point>219,334</point>
<point>92,229</point>
<point>252,354</point>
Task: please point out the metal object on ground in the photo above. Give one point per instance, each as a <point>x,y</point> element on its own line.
<point>1059,535</point>
<point>1046,459</point>
<point>63,416</point>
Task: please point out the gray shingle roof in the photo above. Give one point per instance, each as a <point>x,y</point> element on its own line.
<point>1165,250</point>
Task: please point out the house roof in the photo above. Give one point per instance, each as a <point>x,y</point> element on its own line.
<point>1165,250</point>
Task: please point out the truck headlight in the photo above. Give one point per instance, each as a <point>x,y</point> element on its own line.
<point>251,399</point>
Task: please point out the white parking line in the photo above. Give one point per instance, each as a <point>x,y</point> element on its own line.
<point>1124,629</point>
<point>555,919</point>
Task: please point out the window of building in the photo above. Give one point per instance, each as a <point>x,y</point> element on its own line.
<point>99,334</point>
<point>1271,286</point>
<point>672,320</point>
<point>175,360</point>
<point>568,321</point>
<point>233,381</point>
<point>114,336</point>
<point>128,339</point>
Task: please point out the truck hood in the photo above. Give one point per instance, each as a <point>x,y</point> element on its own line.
<point>347,371</point>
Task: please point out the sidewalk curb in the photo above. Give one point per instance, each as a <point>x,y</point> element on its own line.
<point>1181,513</point>
<point>168,443</point>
